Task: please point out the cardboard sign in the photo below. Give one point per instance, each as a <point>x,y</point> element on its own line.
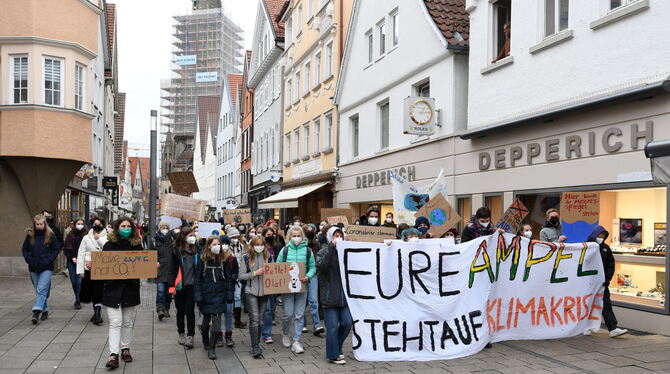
<point>373,234</point>
<point>236,216</point>
<point>183,182</point>
<point>441,215</point>
<point>173,222</point>
<point>580,213</point>
<point>107,265</point>
<point>183,207</point>
<point>334,212</point>
<point>283,277</point>
<point>514,215</point>
<point>206,229</point>
<point>338,219</point>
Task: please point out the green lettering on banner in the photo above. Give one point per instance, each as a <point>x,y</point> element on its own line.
<point>474,269</point>
<point>580,266</point>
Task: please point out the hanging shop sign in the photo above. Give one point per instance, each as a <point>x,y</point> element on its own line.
<point>115,196</point>
<point>383,178</point>
<point>207,76</point>
<point>419,115</point>
<point>110,183</point>
<point>185,60</point>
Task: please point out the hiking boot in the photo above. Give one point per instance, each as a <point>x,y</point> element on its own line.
<point>211,353</point>
<point>36,316</point>
<point>229,339</point>
<point>161,314</point>
<point>97,318</point>
<point>125,355</point>
<point>113,361</point>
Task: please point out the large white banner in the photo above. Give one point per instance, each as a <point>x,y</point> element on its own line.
<point>434,300</point>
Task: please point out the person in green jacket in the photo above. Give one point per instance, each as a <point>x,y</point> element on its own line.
<point>295,301</point>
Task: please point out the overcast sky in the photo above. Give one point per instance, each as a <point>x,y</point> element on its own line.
<point>144,30</point>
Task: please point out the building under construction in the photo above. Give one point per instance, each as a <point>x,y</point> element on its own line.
<point>208,45</point>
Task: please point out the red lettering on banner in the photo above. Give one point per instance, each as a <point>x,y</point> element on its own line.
<point>530,306</point>
<point>489,318</point>
<point>542,312</point>
<point>568,304</point>
<point>554,311</point>
<point>586,307</point>
<point>594,307</point>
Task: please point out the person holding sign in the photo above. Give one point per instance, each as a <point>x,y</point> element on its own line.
<point>187,251</point>
<point>552,231</point>
<point>480,225</point>
<point>91,290</point>
<point>336,313</point>
<point>372,216</point>
<point>120,296</point>
<point>212,292</point>
<point>251,271</point>
<point>294,303</point>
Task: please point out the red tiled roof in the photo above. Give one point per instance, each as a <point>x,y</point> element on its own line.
<point>208,113</point>
<point>274,8</point>
<point>235,81</point>
<point>450,17</point>
<point>144,170</point>
<point>110,11</point>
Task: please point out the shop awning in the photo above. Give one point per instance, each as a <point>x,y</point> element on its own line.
<point>289,198</point>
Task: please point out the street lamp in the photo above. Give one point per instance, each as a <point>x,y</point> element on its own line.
<point>153,187</point>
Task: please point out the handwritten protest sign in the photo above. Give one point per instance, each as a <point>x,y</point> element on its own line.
<point>580,213</point>
<point>182,206</point>
<point>408,198</point>
<point>337,219</point>
<point>441,215</point>
<point>183,182</point>
<point>206,229</point>
<point>335,212</point>
<point>106,265</point>
<point>514,215</point>
<point>283,277</point>
<point>236,216</point>
<point>425,301</point>
<point>374,234</point>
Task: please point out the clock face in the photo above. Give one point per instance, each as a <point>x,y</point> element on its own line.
<point>421,112</point>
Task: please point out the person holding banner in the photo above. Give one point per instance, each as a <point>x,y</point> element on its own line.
<point>294,303</point>
<point>389,221</point>
<point>167,272</point>
<point>120,296</point>
<point>251,271</point>
<point>526,231</point>
<point>187,253</point>
<point>410,235</point>
<point>552,231</point>
<point>91,290</point>
<point>480,225</point>
<point>72,241</point>
<point>423,225</point>
<point>372,216</point>
<point>336,313</point>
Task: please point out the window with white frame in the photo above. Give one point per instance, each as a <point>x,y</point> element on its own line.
<point>381,35</point>
<point>274,83</point>
<point>619,3</point>
<point>289,90</point>
<point>329,59</point>
<point>296,79</point>
<point>317,68</point>
<point>502,11</point>
<point>371,44</point>
<point>296,144</point>
<point>20,79</point>
<point>289,31</point>
<point>266,155</point>
<point>329,131</point>
<point>395,28</point>
<point>555,16</point>
<point>384,124</point>
<point>307,72</point>
<point>277,144</point>
<point>306,140</point>
<point>299,19</point>
<point>79,86</point>
<point>422,89</point>
<point>287,147</point>
<point>261,165</point>
<point>317,134</point>
<point>354,135</point>
<point>53,73</point>
<point>271,150</point>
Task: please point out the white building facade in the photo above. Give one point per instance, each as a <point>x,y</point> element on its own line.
<point>204,155</point>
<point>226,166</point>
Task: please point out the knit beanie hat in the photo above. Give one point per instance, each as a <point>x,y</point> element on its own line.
<point>421,220</point>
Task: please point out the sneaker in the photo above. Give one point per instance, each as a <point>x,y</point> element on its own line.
<point>285,341</point>
<point>125,355</point>
<point>45,315</point>
<point>274,323</point>
<point>188,343</point>
<point>319,330</point>
<point>304,329</point>
<point>77,305</point>
<point>113,361</point>
<point>161,315</point>
<point>182,339</point>
<point>341,356</point>
<point>297,348</point>
<point>618,332</point>
<point>268,340</point>
<point>587,333</point>
<point>36,316</point>
<point>229,339</point>
<point>338,361</point>
<point>219,341</point>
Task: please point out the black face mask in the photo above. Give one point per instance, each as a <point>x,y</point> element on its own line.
<point>310,235</point>
<point>270,239</point>
<point>553,221</point>
<point>97,228</point>
<point>50,219</point>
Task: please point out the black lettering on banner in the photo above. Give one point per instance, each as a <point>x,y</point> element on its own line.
<point>379,276</point>
<point>347,271</point>
<point>466,340</point>
<point>414,273</point>
<point>442,274</point>
<point>474,314</point>
<point>372,331</point>
<point>356,337</point>
<point>405,338</point>
<point>387,333</point>
<point>432,333</point>
<point>447,333</point>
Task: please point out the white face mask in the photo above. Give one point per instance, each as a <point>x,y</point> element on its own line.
<point>252,234</point>
<point>216,249</point>
<point>389,219</point>
<point>79,226</point>
<point>225,247</point>
<point>165,231</point>
<point>296,240</point>
<point>338,239</point>
<point>600,240</point>
<point>191,240</point>
<point>259,248</point>
<point>413,239</point>
<point>528,234</point>
<point>320,227</point>
<point>373,220</point>
<point>241,228</point>
<point>485,224</point>
<point>234,241</point>
<point>176,231</point>
<point>296,223</point>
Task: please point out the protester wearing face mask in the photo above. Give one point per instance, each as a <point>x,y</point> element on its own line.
<point>451,233</point>
<point>70,250</point>
<point>479,225</point>
<point>91,290</point>
<point>187,254</point>
<point>599,235</point>
<point>372,216</point>
<point>388,222</point>
<point>294,303</point>
<point>313,290</point>
<point>232,272</point>
<point>336,312</point>
<point>251,234</point>
<point>526,231</point>
<point>297,221</point>
<point>273,247</point>
<point>321,236</point>
<point>552,230</point>
<point>48,216</point>
<point>167,272</point>
<point>238,250</point>
<point>423,225</point>
<point>410,235</point>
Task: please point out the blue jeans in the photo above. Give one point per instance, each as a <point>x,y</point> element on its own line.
<point>42,283</point>
<point>313,299</point>
<point>238,294</point>
<point>163,297</point>
<point>229,317</point>
<point>268,316</point>
<point>294,306</point>
<point>338,325</point>
<point>75,279</point>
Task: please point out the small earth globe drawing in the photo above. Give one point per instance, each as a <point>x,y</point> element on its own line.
<point>438,217</point>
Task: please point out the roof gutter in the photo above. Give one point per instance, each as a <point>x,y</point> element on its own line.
<point>661,87</point>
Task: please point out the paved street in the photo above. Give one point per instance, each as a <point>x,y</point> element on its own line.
<point>68,343</point>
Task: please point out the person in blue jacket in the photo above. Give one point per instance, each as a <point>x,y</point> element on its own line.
<point>40,249</point>
<point>294,303</point>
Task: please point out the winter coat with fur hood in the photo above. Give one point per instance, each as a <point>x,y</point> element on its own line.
<point>89,244</point>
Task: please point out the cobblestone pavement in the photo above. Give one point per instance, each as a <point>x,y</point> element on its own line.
<point>68,343</point>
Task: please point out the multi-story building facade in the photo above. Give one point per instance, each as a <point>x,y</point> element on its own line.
<point>245,103</point>
<point>204,157</point>
<point>315,31</point>
<point>45,111</point>
<point>228,163</point>
<point>265,76</point>
<point>379,45</point>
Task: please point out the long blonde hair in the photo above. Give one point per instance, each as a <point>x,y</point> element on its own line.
<point>48,233</point>
<point>253,254</point>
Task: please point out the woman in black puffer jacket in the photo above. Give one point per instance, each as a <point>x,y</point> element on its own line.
<point>167,272</point>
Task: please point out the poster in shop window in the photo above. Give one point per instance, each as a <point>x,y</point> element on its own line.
<point>580,213</point>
